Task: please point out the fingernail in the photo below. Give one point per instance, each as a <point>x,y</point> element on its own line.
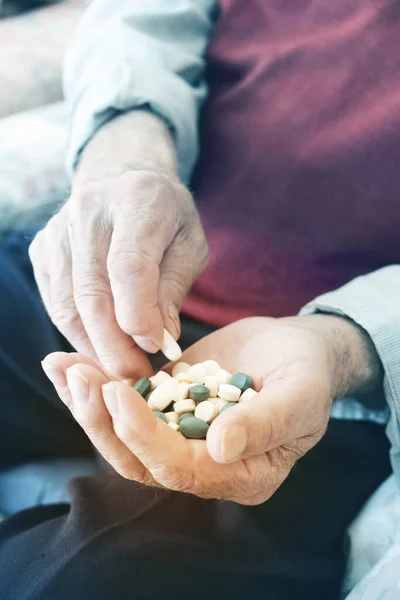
<point>170,348</point>
<point>78,384</point>
<point>110,398</point>
<point>146,344</point>
<point>173,313</point>
<point>55,374</point>
<point>233,442</point>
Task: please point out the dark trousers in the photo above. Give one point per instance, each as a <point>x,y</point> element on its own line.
<point>119,540</point>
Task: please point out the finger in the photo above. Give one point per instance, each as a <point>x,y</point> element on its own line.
<point>55,366</point>
<point>63,310</point>
<point>162,451</point>
<point>84,383</point>
<point>116,351</point>
<point>182,263</point>
<point>36,255</point>
<point>137,247</point>
<point>277,416</point>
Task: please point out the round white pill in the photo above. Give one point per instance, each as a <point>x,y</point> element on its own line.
<point>206,411</point>
<point>180,367</point>
<point>249,393</point>
<point>182,378</point>
<point>183,406</point>
<point>211,367</point>
<point>197,373</point>
<point>171,417</point>
<point>182,392</point>
<point>163,395</point>
<point>227,392</point>
<point>212,385</point>
<point>223,376</point>
<point>159,378</point>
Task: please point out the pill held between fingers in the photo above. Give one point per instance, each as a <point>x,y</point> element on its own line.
<point>194,428</point>
<point>206,411</point>
<point>212,385</point>
<point>242,381</point>
<point>199,392</point>
<point>228,392</point>
<point>197,373</point>
<point>163,395</point>
<point>227,405</point>
<point>223,376</point>
<point>159,378</point>
<point>173,425</point>
<point>183,406</point>
<point>143,386</point>
<point>180,367</point>
<point>160,415</point>
<point>211,367</point>
<point>249,393</point>
<point>170,347</point>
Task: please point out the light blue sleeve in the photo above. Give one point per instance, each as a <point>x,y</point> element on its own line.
<point>127,54</point>
<point>373,301</point>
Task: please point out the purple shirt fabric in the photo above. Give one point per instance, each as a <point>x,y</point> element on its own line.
<point>298,182</point>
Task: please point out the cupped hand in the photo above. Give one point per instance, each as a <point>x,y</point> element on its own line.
<point>250,449</point>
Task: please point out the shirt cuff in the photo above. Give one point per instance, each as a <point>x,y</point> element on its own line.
<point>373,302</point>
<point>117,92</point>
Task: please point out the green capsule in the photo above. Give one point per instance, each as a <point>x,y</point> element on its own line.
<point>227,405</point>
<point>241,381</point>
<point>194,428</point>
<point>184,416</point>
<point>160,415</point>
<point>199,393</point>
<point>143,386</point>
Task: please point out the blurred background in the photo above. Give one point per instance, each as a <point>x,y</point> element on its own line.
<point>33,37</point>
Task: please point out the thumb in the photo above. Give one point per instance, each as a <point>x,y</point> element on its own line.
<point>280,414</point>
<point>181,265</point>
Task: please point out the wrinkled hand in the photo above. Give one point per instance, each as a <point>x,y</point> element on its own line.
<point>250,449</point>
<point>115,264</point>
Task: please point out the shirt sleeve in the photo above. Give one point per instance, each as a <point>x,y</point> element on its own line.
<point>373,301</point>
<point>129,54</point>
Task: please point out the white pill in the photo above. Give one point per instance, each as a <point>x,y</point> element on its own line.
<point>197,373</point>
<point>183,406</point>
<point>159,378</point>
<point>249,393</point>
<point>171,417</point>
<point>182,377</point>
<point>211,367</point>
<point>212,385</point>
<point>163,395</point>
<point>227,392</point>
<point>180,367</point>
<point>182,392</point>
<point>223,376</point>
<point>206,411</point>
<point>218,402</point>
<point>173,425</point>
<point>170,348</point>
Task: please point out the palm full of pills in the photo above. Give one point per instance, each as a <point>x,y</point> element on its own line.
<point>190,399</point>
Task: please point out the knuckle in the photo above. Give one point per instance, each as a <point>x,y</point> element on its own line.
<point>66,319</point>
<point>126,265</point>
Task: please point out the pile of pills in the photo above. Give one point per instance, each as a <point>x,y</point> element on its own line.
<point>194,396</point>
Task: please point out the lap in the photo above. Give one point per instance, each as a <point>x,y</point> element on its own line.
<point>118,539</point>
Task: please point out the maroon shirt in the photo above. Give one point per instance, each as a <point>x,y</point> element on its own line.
<point>298,182</point>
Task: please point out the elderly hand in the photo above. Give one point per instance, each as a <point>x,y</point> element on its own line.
<point>115,264</point>
<point>297,366</point>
